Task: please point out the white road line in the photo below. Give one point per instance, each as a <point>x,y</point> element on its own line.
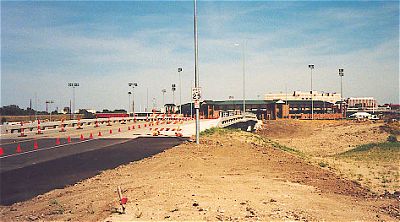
<point>52,147</point>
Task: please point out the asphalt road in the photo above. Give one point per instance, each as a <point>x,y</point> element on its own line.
<point>50,167</point>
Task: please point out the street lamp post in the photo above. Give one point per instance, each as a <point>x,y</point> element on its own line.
<point>311,66</point>
<point>244,74</point>
<point>341,74</point>
<point>133,96</point>
<point>73,85</point>
<point>180,90</point>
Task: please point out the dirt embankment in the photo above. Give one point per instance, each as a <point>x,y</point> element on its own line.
<point>324,138</point>
<point>229,176</point>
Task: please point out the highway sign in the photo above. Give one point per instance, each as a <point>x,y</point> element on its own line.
<point>196,93</point>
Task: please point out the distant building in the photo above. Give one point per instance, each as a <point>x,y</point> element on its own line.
<point>267,109</point>
<point>361,102</point>
<point>300,95</point>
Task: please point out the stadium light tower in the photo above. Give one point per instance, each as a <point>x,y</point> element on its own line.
<point>73,85</point>
<point>311,66</point>
<point>129,101</point>
<point>341,74</point>
<point>173,88</point>
<point>47,107</point>
<point>133,96</point>
<point>180,90</point>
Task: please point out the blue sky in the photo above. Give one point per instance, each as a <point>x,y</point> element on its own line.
<point>105,45</point>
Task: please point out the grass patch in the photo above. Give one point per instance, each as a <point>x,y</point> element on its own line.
<point>214,130</point>
<point>322,164</point>
<point>386,151</point>
<point>287,149</point>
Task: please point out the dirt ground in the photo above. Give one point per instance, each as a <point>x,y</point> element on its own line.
<point>323,141</point>
<point>230,176</point>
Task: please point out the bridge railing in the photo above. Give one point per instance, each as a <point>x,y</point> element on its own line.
<point>233,119</point>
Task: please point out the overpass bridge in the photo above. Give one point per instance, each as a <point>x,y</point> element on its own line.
<point>246,122</point>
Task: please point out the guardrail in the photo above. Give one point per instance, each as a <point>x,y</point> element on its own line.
<point>31,126</point>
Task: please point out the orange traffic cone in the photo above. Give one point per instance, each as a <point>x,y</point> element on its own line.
<point>99,134</point>
<point>119,130</point>
<point>35,145</point>
<point>1,151</point>
<point>133,127</point>
<point>58,141</point>
<point>129,128</point>
<point>19,148</point>
<point>82,138</point>
<point>138,126</point>
<point>68,139</point>
<point>91,136</point>
<point>110,131</point>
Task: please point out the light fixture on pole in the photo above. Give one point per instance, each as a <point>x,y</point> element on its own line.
<point>133,96</point>
<point>73,85</point>
<point>244,74</point>
<point>180,90</point>
<point>311,66</point>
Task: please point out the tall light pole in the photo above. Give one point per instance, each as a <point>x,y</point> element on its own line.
<point>163,97</point>
<point>311,66</point>
<point>129,102</point>
<point>47,106</point>
<point>244,75</point>
<point>341,74</point>
<point>73,85</point>
<point>173,93</point>
<point>154,103</point>
<point>133,96</point>
<point>196,71</point>
<point>180,90</point>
